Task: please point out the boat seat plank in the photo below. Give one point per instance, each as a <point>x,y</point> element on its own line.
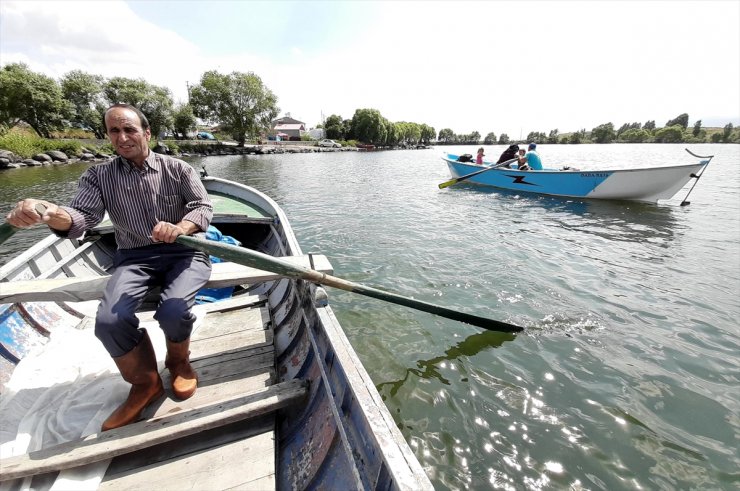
<point>232,303</point>
<point>91,288</point>
<point>238,340</point>
<point>118,475</point>
<point>254,458</point>
<point>229,322</point>
<point>143,434</point>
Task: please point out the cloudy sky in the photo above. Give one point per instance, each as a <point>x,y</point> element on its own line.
<point>486,66</point>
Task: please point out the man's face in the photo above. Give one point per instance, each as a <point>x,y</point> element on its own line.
<point>128,138</point>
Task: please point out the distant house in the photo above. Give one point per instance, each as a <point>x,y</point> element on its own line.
<point>288,126</point>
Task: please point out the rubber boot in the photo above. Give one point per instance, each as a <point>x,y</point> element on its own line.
<point>183,377</point>
<point>139,368</point>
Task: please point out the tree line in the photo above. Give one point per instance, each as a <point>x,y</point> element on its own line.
<point>676,130</point>
<point>243,107</point>
<point>239,103</point>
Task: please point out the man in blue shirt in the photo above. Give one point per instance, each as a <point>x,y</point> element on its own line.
<point>531,159</point>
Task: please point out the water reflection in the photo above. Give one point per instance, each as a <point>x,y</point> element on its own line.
<point>605,219</point>
<point>429,369</point>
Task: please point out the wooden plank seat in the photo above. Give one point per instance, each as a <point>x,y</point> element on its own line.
<point>91,288</point>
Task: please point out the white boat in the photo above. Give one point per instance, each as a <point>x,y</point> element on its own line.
<point>649,184</point>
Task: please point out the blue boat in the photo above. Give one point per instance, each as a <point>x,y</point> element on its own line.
<point>283,399</point>
<point>643,184</point>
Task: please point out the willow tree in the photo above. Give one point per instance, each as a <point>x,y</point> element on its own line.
<point>85,92</point>
<point>31,97</point>
<point>154,101</point>
<point>239,102</point>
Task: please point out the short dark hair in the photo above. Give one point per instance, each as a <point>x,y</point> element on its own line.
<point>142,118</point>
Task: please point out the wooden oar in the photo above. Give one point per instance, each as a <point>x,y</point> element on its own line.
<point>468,176</point>
<point>255,259</point>
<point>7,230</point>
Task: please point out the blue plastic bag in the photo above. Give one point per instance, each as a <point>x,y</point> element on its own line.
<point>208,295</point>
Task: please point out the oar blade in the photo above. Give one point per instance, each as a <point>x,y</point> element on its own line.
<point>449,183</point>
<point>6,231</point>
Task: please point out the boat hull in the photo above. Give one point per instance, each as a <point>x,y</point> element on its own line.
<point>341,436</point>
<point>646,184</point>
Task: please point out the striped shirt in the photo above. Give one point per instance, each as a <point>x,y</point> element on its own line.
<point>166,189</point>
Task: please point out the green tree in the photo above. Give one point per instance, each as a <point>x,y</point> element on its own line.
<point>183,120</point>
<point>697,128</point>
<point>649,125</point>
<point>154,101</point>
<point>536,137</point>
<point>409,133</point>
<point>681,120</point>
<point>503,139</point>
<point>394,132</point>
<point>369,126</point>
<point>577,137</point>
<point>347,130</point>
<point>634,135</point>
<point>427,133</point>
<point>31,97</point>
<point>240,102</point>
<point>85,92</point>
<point>669,134</point>
<point>490,139</point>
<point>553,136</point>
<point>622,129</point>
<point>333,127</point>
<point>603,133</point>
<point>474,138</point>
<point>446,135</point>
<point>727,131</point>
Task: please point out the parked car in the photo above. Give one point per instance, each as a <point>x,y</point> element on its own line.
<point>330,144</point>
<point>204,135</point>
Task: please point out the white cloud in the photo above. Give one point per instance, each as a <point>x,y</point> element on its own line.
<point>511,67</point>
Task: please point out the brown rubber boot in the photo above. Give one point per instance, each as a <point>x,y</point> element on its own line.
<point>139,368</point>
<point>184,378</point>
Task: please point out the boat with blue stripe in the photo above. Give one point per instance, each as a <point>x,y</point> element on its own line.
<point>649,184</point>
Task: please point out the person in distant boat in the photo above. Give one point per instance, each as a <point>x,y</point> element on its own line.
<point>479,157</point>
<point>151,200</point>
<point>521,162</point>
<point>508,154</point>
<point>531,160</point>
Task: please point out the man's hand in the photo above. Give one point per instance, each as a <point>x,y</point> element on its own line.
<point>168,232</point>
<point>27,213</point>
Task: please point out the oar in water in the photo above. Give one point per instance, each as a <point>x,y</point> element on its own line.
<point>7,230</point>
<point>248,257</point>
<point>468,176</point>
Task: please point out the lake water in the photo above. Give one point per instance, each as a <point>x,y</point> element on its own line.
<point>628,373</point>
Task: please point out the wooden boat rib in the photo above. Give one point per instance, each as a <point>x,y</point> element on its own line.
<point>644,184</point>
<point>283,400</point>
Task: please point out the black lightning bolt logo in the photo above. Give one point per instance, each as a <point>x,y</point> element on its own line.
<point>520,180</point>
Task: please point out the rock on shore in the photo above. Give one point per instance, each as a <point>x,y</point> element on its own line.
<point>9,160</point>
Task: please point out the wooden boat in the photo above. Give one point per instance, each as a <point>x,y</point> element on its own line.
<point>283,400</point>
<point>643,184</point>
